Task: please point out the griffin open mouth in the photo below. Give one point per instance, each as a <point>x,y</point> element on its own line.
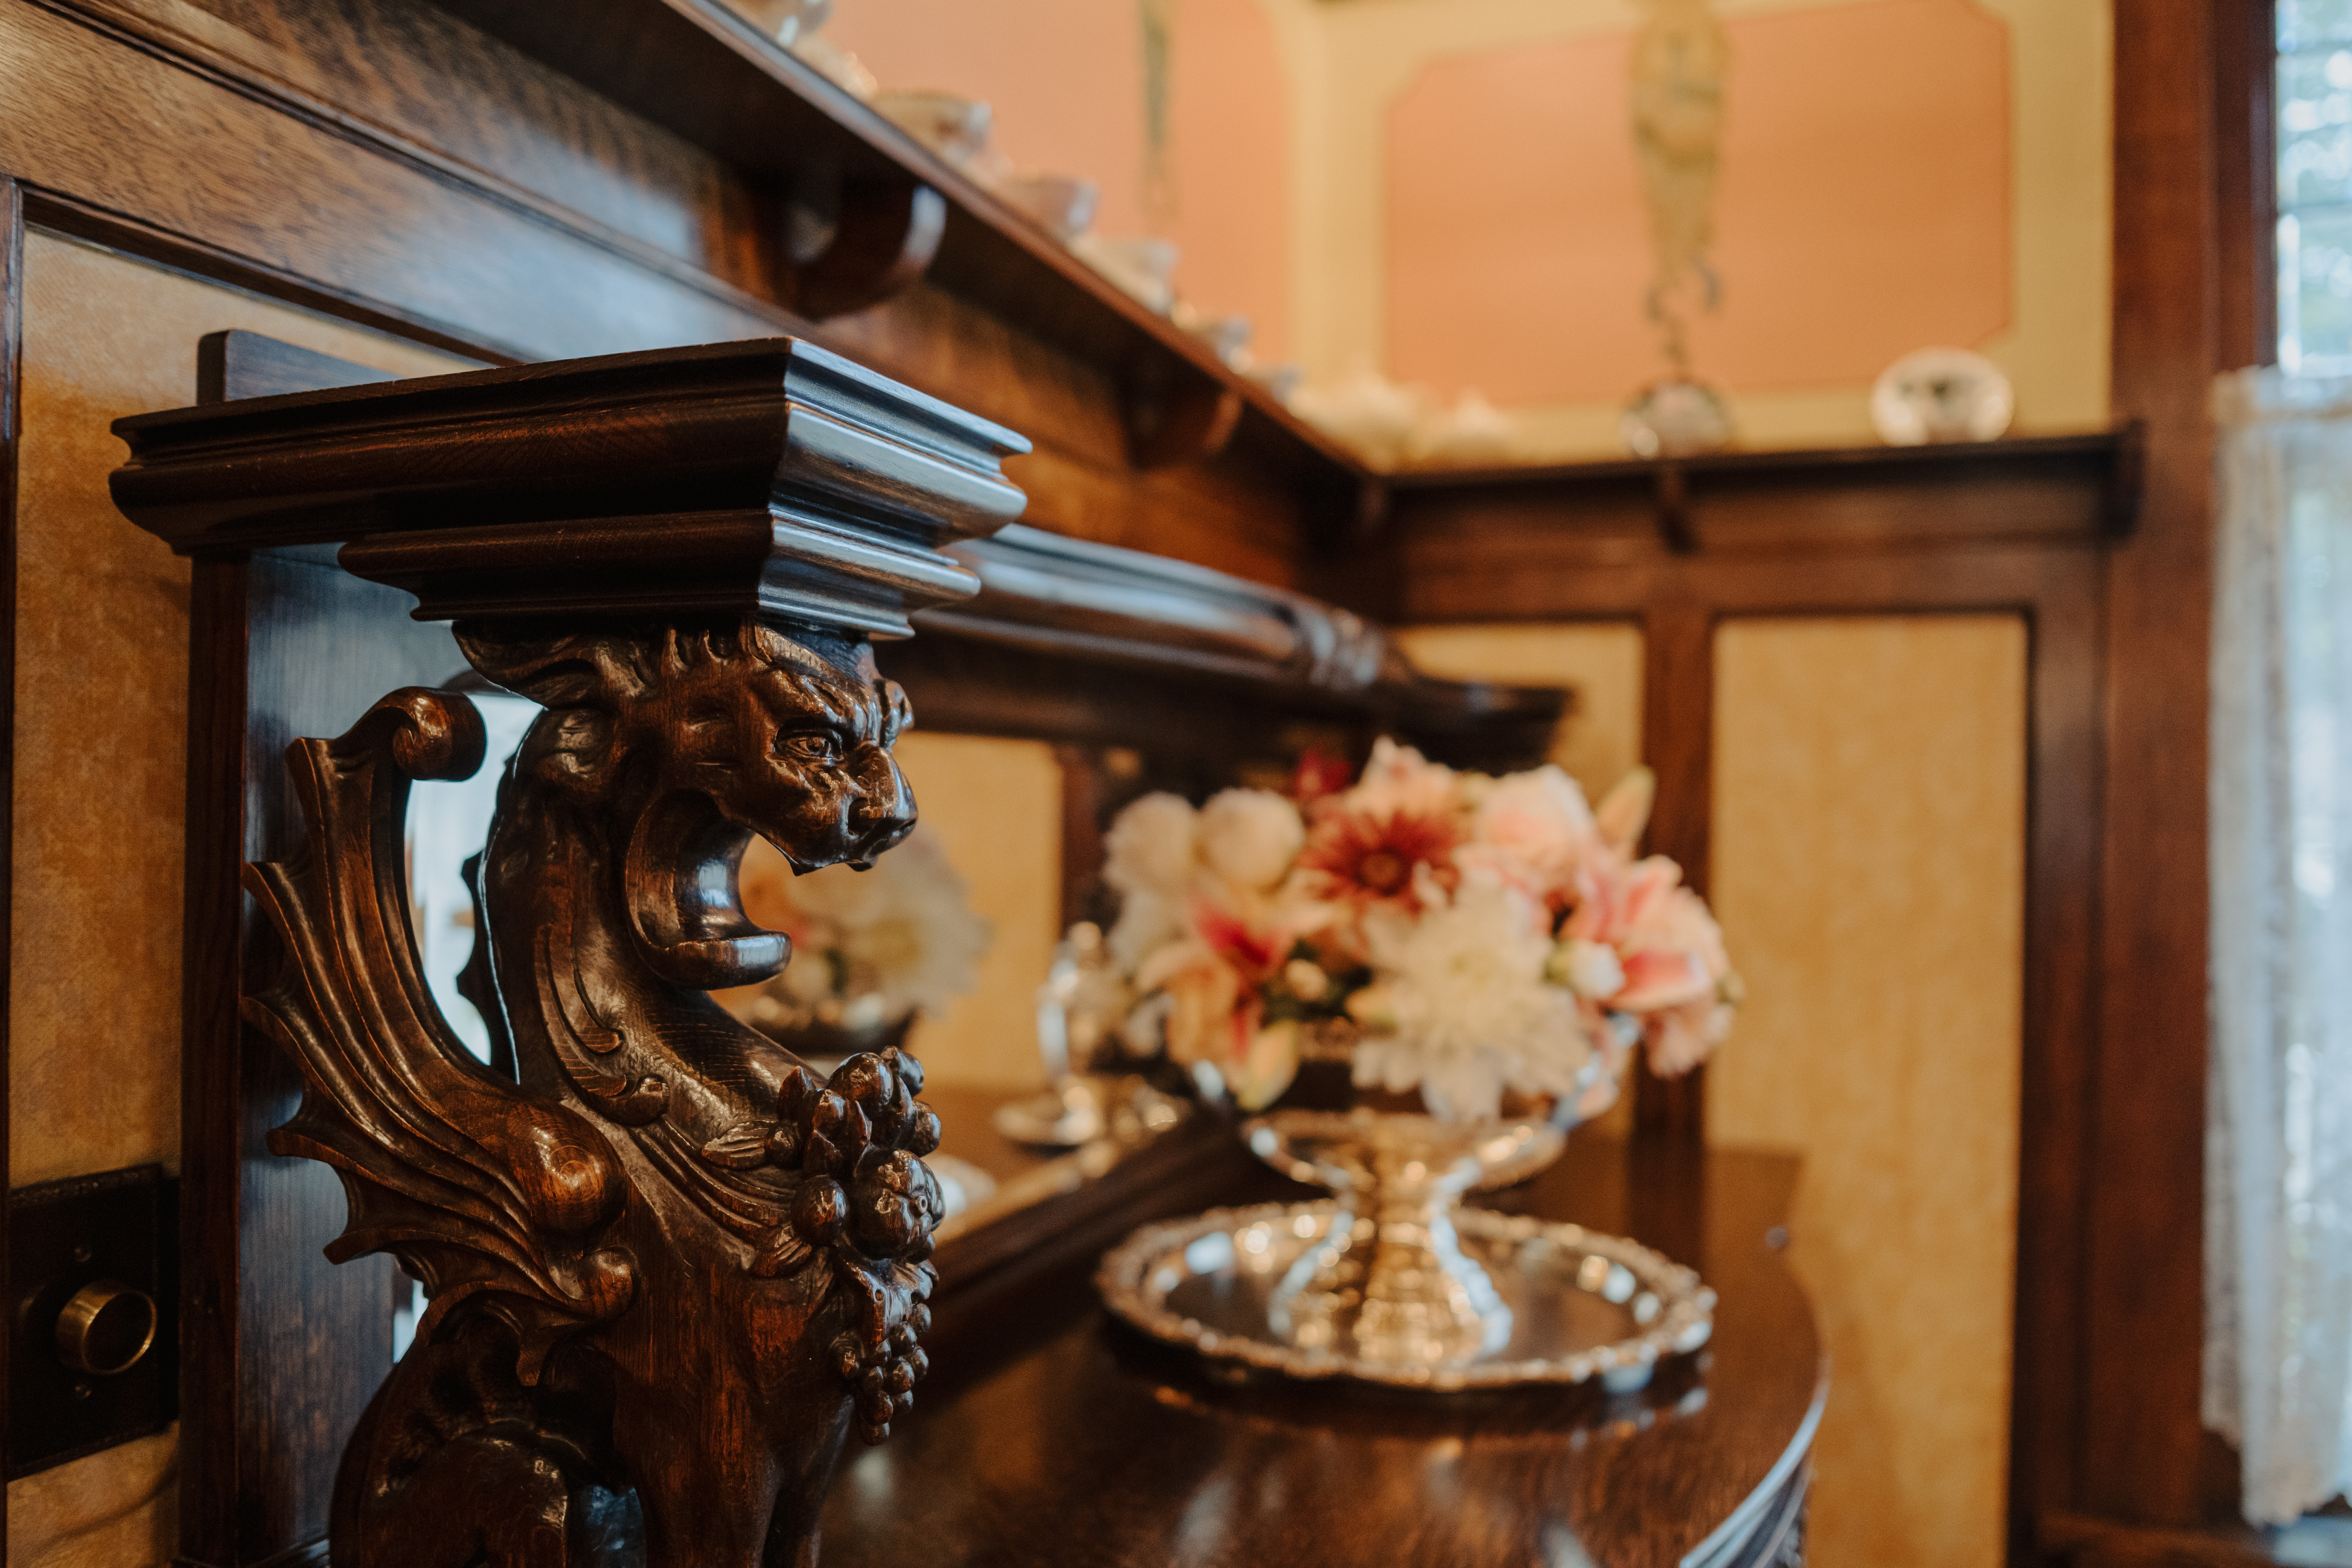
<point>681,881</point>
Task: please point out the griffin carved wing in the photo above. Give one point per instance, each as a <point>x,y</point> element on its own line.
<point>483,1191</point>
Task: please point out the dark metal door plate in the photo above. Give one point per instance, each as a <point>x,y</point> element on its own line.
<point>94,1341</point>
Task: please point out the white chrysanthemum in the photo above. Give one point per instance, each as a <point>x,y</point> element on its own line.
<point>904,930</point>
<point>1250,837</point>
<point>1399,781</point>
<point>1149,848</point>
<point>1473,1016</point>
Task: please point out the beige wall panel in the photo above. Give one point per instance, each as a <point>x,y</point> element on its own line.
<point>100,744</point>
<point>112,1510</point>
<point>997,808</point>
<point>1869,870</point>
<point>1598,741</point>
<point>1602,660</point>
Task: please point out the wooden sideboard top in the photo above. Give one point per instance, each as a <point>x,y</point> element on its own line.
<point>1057,1436</point>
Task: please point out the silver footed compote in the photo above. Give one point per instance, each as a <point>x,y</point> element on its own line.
<point>1387,1281</point>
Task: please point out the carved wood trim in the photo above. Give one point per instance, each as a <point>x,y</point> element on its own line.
<point>1072,601</point>
<point>768,477</point>
<point>781,1221</point>
<point>1202,657</point>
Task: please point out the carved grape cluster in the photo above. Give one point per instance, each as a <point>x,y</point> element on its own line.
<point>861,1138</point>
<point>867,1201</point>
<point>884,1377</point>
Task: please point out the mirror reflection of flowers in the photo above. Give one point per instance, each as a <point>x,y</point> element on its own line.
<point>1452,933</point>
<point>871,948</point>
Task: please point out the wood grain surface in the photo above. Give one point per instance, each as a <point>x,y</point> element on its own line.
<point>2138,1424</point>
<point>1078,1443</point>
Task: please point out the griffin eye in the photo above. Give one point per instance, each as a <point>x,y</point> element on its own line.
<point>810,747</point>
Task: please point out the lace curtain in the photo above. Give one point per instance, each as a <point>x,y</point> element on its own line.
<point>2278,1233</point>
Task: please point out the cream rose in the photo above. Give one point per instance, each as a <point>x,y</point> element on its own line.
<point>1150,847</point>
<point>1250,837</point>
<point>1539,817</point>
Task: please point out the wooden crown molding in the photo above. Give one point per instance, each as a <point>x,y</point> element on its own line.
<point>1080,601</point>
<point>770,477</point>
<point>727,477</point>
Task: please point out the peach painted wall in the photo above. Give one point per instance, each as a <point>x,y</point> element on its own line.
<point>1862,207</point>
<point>1896,172</point>
<point>1065,79</point>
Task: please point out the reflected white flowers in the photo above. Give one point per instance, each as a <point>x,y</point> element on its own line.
<point>883,942</point>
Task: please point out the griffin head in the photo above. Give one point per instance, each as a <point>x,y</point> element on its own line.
<point>687,741</point>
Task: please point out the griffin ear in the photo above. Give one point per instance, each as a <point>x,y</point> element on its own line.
<point>595,670</point>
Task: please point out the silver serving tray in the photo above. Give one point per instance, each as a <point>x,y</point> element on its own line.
<point>1584,1306</point>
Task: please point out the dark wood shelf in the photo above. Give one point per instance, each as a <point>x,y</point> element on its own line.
<point>2079,489</point>
<point>698,70</point>
<point>2098,447</point>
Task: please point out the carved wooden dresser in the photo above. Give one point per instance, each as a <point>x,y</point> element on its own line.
<point>687,485</point>
<point>681,555</point>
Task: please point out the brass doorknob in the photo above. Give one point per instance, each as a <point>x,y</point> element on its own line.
<point>106,1327</point>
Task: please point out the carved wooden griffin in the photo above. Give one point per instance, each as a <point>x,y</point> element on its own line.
<point>668,1266</point>
<point>667,1263</point>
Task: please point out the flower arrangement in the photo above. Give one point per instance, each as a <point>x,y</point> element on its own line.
<point>870,948</point>
<point>1461,934</point>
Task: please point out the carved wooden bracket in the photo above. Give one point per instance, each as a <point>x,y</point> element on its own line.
<point>858,242</point>
<point>1177,416</point>
<point>667,1265</point>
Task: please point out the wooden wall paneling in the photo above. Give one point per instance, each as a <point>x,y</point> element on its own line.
<point>283,644</point>
<point>2065,774</point>
<point>2140,1432</point>
<point>1848,499</point>
<point>11,320</point>
<point>1459,562</point>
<point>308,213</point>
<point>413,79</point>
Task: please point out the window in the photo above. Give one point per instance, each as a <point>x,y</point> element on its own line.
<point>2314,187</point>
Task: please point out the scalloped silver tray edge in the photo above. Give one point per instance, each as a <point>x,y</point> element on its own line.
<point>1684,1321</point>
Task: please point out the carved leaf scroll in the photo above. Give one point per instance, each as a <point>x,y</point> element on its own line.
<point>480,1189</point>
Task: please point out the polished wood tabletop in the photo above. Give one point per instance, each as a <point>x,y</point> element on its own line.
<point>1058,1436</point>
